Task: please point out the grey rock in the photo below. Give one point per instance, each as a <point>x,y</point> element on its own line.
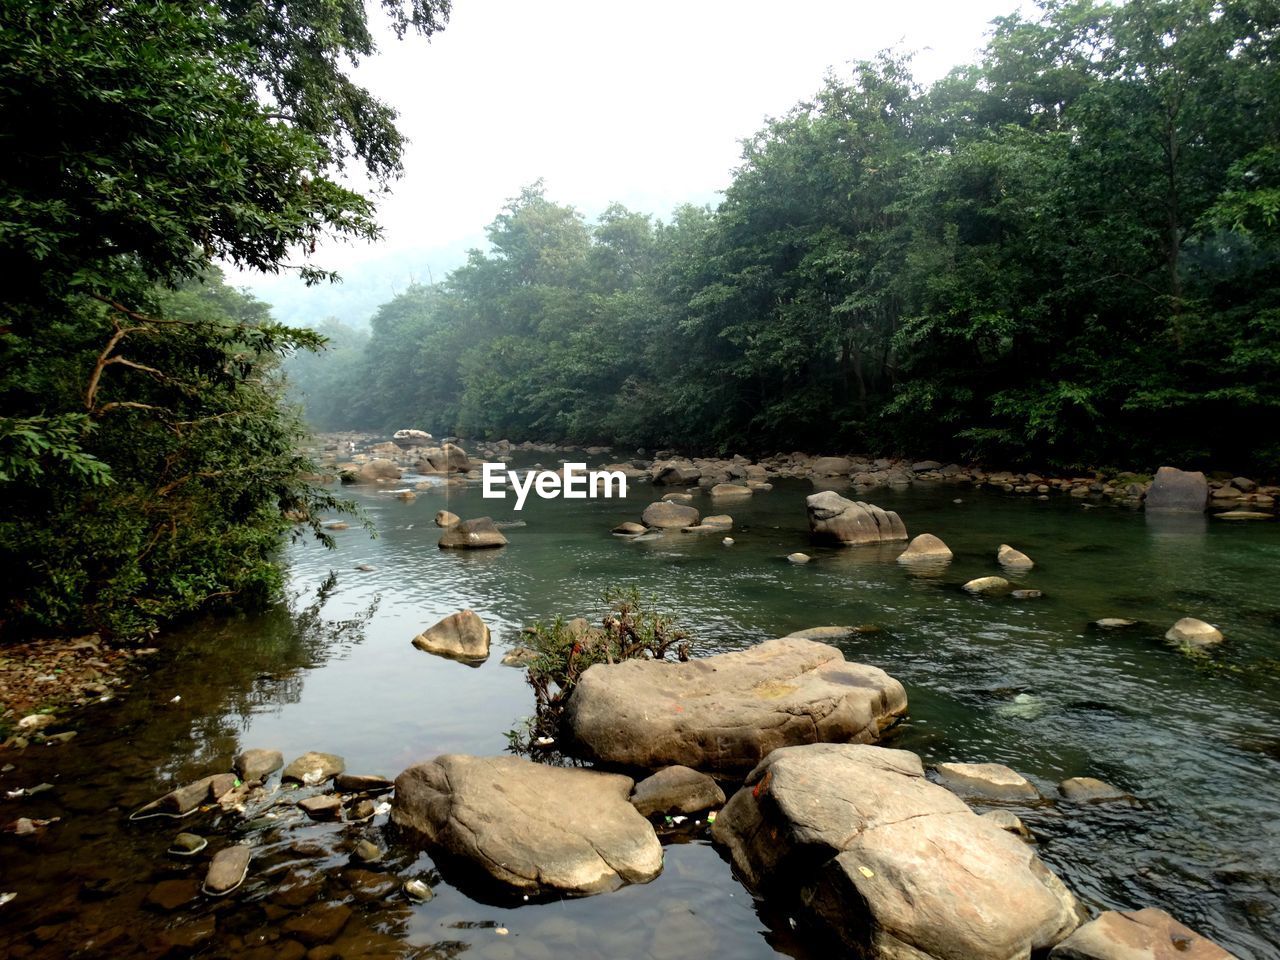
<point>925,548</point>
<point>1194,634</point>
<point>833,519</point>
<point>459,636</point>
<point>477,534</point>
<point>668,514</point>
<point>727,712</point>
<point>530,827</point>
<point>1148,934</point>
<point>988,586</point>
<point>312,768</point>
<point>994,781</point>
<point>1012,559</point>
<point>227,870</point>
<point>324,807</point>
<point>1090,790</point>
<point>361,783</point>
<point>1178,491</point>
<point>257,764</point>
<point>674,790</point>
<point>893,866</point>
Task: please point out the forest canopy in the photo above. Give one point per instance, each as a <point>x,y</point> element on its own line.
<point>1065,254</point>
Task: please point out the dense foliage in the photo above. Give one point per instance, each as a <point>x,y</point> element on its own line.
<point>1065,254</point>
<point>147,465</point>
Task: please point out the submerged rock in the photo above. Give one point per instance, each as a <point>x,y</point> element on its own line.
<point>890,864</point>
<point>1009,822</point>
<point>629,529</point>
<point>925,548</point>
<point>477,534</point>
<point>312,768</point>
<point>676,789</point>
<point>1012,559</point>
<point>1194,634</point>
<point>726,712</point>
<point>532,828</point>
<point>1090,790</point>
<point>227,870</point>
<point>667,514</point>
<point>1178,491</point>
<point>459,636</point>
<point>993,781</point>
<point>797,557</point>
<point>1114,623</point>
<point>1149,934</point>
<point>988,587</point>
<point>833,519</point>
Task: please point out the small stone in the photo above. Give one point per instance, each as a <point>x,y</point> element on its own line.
<point>1090,790</point>
<point>676,789</point>
<point>361,783</point>
<point>227,870</point>
<point>1027,594</point>
<point>1012,559</point>
<point>519,657</point>
<point>629,529</point>
<point>312,768</point>
<point>728,541</point>
<point>187,844</point>
<point>1194,634</point>
<point>325,807</point>
<point>362,810</point>
<point>797,558</point>
<point>370,885</point>
<point>366,851</point>
<point>1114,623</point>
<point>988,586</point>
<point>257,764</point>
<point>418,890</point>
<point>444,518</point>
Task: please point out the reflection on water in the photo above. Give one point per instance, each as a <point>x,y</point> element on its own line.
<point>1029,683</point>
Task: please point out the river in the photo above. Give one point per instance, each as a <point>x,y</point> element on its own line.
<point>1029,683</point>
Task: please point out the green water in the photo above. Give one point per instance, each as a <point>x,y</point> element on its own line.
<point>1028,683</point>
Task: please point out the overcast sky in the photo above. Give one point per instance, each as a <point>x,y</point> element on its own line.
<point>642,103</point>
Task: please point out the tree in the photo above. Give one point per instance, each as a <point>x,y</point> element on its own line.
<point>143,142</point>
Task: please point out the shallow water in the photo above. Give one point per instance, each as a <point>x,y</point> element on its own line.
<point>1028,683</point>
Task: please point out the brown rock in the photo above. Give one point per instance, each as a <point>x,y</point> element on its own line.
<point>477,534</point>
<point>459,636</point>
<point>676,789</point>
<point>1137,935</point>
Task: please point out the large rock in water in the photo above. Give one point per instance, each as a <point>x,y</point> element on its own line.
<point>895,867</point>
<point>1179,491</point>
<point>725,713</point>
<point>833,519</point>
<point>667,514</point>
<point>532,828</point>
<point>378,469</point>
<point>477,534</point>
<point>459,636</point>
<point>1137,935</point>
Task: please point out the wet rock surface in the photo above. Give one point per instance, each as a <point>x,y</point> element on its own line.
<point>888,863</point>
<point>835,520</point>
<point>676,789</point>
<point>477,534</point>
<point>993,781</point>
<point>528,827</point>
<point>1149,934</point>
<point>459,636</point>
<point>314,767</point>
<point>726,712</point>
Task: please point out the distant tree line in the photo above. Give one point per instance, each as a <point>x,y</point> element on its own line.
<point>1065,254</point>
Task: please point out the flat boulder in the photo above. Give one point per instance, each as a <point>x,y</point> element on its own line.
<point>1090,790</point>
<point>312,768</point>
<point>677,790</point>
<point>459,636</point>
<point>730,490</point>
<point>477,534</point>
<point>667,514</point>
<point>726,712</point>
<point>889,864</point>
<point>992,781</point>
<point>528,827</point>
<point>629,529</point>
<point>925,548</point>
<point>675,474</point>
<point>833,519</point>
<point>1149,934</point>
<point>1178,491</point>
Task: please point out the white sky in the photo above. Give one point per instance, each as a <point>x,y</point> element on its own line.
<point>643,103</point>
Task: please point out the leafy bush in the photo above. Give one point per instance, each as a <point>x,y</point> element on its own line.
<point>631,630</point>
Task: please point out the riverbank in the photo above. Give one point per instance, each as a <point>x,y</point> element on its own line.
<point>360,457</point>
<point>44,682</point>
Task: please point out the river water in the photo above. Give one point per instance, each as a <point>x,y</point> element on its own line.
<point>1028,683</point>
